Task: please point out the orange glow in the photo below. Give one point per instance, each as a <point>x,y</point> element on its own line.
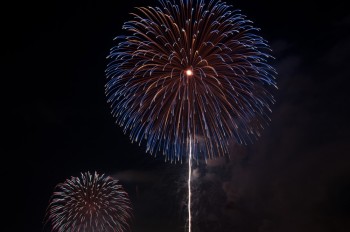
<point>189,72</point>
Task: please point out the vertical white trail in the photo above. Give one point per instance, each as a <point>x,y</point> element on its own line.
<point>189,186</point>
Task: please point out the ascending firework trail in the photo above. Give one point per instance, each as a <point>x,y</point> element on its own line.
<point>188,77</point>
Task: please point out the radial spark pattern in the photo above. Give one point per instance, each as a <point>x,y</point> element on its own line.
<point>89,203</point>
<point>190,70</point>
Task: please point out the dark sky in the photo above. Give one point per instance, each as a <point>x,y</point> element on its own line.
<point>58,124</point>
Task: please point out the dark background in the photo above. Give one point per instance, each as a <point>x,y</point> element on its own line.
<point>58,124</point>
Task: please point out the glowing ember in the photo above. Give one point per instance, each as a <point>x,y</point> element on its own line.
<point>189,72</point>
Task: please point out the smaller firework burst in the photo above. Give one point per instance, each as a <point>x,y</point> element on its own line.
<point>89,203</point>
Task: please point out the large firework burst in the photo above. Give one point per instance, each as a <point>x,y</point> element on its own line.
<point>191,72</point>
<point>89,203</point>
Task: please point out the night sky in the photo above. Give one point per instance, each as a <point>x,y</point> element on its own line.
<point>58,123</point>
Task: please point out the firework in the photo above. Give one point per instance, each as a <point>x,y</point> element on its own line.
<point>89,203</point>
<point>190,71</point>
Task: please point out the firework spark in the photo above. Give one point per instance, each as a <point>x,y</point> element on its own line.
<point>190,71</point>
<point>90,203</point>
